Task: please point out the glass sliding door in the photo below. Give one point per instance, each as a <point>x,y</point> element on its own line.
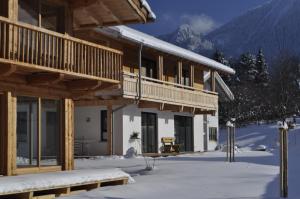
<point>184,133</point>
<point>27,131</point>
<point>38,132</point>
<point>149,133</point>
<point>50,132</point>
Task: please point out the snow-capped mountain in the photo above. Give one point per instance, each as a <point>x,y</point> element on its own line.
<point>274,27</point>
<point>185,36</point>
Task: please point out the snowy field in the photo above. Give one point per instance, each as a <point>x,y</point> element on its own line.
<point>207,175</point>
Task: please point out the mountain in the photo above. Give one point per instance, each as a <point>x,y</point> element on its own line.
<point>273,26</point>
<point>187,37</point>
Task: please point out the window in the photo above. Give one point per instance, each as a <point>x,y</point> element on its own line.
<point>52,17</point>
<point>149,68</point>
<point>42,13</point>
<point>38,135</point>
<point>104,126</point>
<point>27,131</point>
<point>213,134</point>
<point>185,77</point>
<point>29,11</point>
<point>50,134</point>
<point>3,8</point>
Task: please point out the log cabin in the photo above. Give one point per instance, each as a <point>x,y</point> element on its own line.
<point>44,67</point>
<point>165,91</point>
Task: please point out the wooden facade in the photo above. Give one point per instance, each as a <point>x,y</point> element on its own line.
<point>167,80</point>
<point>44,68</point>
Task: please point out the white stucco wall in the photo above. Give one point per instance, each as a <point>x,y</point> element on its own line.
<point>128,120</point>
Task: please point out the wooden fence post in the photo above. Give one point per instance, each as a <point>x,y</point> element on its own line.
<point>283,135</point>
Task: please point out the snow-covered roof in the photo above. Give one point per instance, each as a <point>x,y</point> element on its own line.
<point>225,89</point>
<point>155,43</point>
<point>151,14</point>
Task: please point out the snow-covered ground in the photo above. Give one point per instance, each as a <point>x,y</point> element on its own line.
<point>207,175</point>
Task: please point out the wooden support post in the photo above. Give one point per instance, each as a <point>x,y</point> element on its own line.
<point>179,72</point>
<point>283,134</point>
<point>213,81</point>
<point>109,130</point>
<point>228,138</point>
<point>192,75</point>
<point>160,68</point>
<point>233,142</point>
<point>8,133</point>
<point>68,135</point>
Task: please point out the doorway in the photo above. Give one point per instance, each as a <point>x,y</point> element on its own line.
<point>184,133</point>
<point>149,133</point>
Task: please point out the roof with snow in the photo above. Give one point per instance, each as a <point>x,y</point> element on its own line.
<point>151,14</point>
<point>222,87</point>
<point>155,43</point>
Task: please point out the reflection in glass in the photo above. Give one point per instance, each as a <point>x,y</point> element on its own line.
<point>50,132</point>
<point>27,134</point>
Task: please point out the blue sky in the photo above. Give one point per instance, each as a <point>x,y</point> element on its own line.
<point>206,14</point>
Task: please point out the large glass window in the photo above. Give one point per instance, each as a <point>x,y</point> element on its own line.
<point>3,8</point>
<point>52,17</point>
<point>50,132</point>
<point>149,68</point>
<point>29,11</point>
<point>44,13</point>
<point>27,132</point>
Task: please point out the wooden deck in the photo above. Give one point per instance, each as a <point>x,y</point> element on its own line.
<point>52,191</point>
<point>40,50</point>
<point>170,93</point>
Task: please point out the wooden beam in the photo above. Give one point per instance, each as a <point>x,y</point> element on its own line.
<point>192,75</point>
<point>160,67</point>
<point>205,112</point>
<point>100,102</point>
<point>109,130</point>
<point>179,72</point>
<point>213,81</point>
<point>7,69</point>
<point>146,104</point>
<point>108,11</point>
<point>44,78</point>
<point>83,84</point>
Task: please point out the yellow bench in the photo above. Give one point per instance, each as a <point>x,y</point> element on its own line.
<point>169,145</point>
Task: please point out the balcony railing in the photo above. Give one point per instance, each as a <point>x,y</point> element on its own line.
<point>167,92</point>
<point>39,48</point>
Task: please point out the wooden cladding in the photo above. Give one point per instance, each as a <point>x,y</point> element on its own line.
<point>170,93</point>
<point>43,49</point>
<point>68,135</point>
<point>7,133</point>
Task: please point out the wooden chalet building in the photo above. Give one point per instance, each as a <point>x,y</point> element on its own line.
<point>164,92</point>
<point>45,66</point>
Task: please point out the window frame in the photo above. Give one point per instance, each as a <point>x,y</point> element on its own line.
<point>213,134</point>
<point>39,133</point>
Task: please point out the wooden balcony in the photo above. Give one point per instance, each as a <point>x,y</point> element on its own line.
<point>154,90</point>
<point>36,49</point>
